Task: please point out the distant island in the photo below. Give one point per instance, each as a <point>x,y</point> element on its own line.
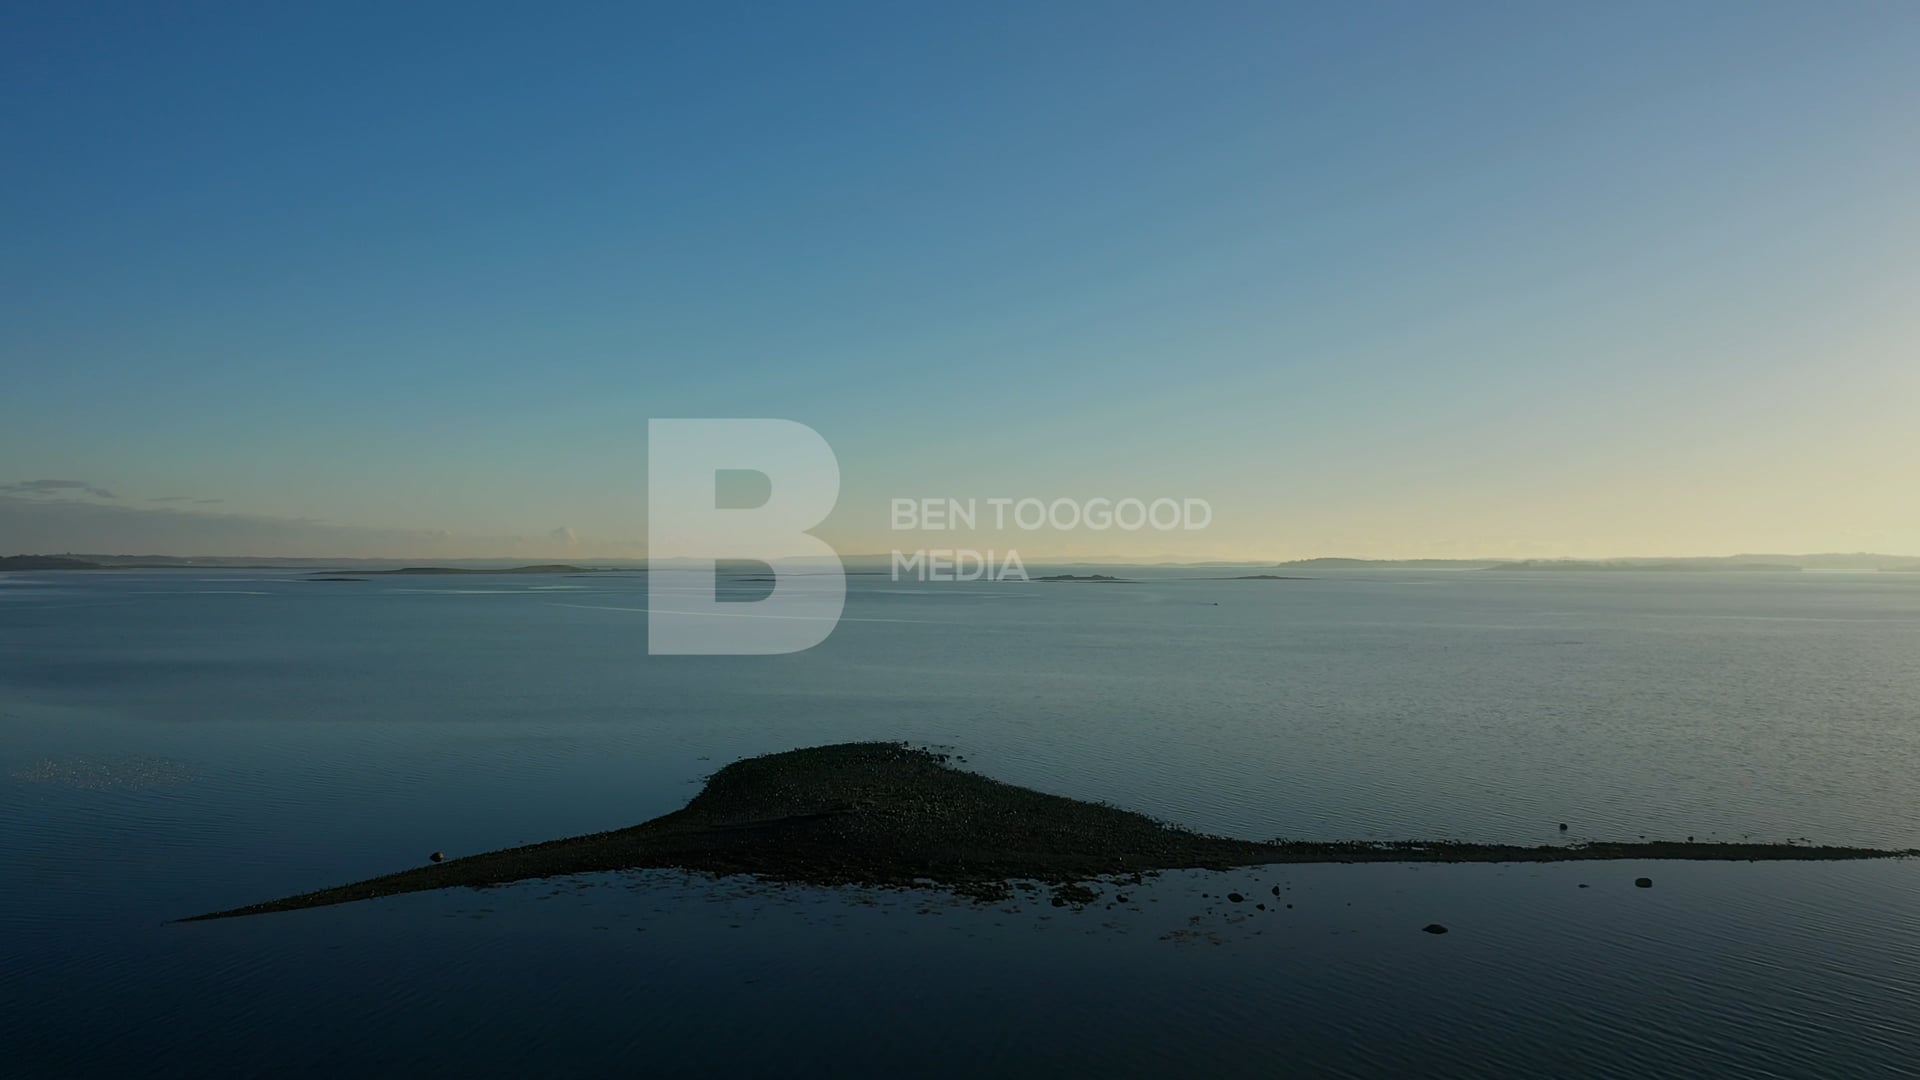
<point>425,571</point>
<point>857,564</point>
<point>1777,563</point>
<point>1695,565</point>
<point>1336,563</point>
<point>45,562</point>
<point>312,564</point>
<point>331,569</point>
<point>885,814</point>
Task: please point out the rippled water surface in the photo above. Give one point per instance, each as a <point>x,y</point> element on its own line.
<point>178,741</point>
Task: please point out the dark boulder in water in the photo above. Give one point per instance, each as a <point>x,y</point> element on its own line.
<point>1643,883</point>
<point>1434,928</point>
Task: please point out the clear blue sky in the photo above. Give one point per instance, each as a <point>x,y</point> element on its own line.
<point>1477,278</point>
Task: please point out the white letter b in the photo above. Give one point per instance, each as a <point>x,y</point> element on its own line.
<point>684,616</point>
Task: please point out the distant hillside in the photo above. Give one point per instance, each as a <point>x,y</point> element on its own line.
<point>547,568</point>
<point>1330,563</point>
<point>273,562</point>
<point>151,562</point>
<point>1859,560</point>
<point>45,562</point>
<point>1645,564</point>
<point>1834,561</point>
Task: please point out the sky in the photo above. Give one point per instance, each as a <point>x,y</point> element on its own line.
<point>1383,280</point>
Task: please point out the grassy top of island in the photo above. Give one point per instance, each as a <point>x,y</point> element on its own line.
<point>885,814</point>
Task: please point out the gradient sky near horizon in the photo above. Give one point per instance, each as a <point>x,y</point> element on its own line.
<point>1478,279</point>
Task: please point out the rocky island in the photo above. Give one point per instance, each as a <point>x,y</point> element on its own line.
<point>885,814</point>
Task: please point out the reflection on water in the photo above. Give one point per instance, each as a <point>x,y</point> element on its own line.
<point>179,742</point>
<point>96,773</point>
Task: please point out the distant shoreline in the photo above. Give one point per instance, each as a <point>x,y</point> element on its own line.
<point>864,563</point>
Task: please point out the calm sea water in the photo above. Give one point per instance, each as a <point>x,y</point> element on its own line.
<point>178,741</point>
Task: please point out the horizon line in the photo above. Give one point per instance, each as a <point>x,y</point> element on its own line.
<point>1088,559</point>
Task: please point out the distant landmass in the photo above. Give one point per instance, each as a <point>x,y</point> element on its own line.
<point>1645,564</point>
<point>1748,562</point>
<point>44,562</point>
<point>1868,561</point>
<point>543,568</point>
<point>1334,563</point>
<point>303,562</point>
<point>358,566</point>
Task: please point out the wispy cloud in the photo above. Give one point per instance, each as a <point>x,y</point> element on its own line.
<point>30,522</point>
<point>54,488</point>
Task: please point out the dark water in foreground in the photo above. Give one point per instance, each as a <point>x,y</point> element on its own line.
<point>181,741</point>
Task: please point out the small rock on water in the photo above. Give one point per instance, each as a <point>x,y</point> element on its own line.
<point>1563,826</point>
<point>1235,897</point>
<point>1643,883</point>
<point>1434,928</point>
<point>437,856</point>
